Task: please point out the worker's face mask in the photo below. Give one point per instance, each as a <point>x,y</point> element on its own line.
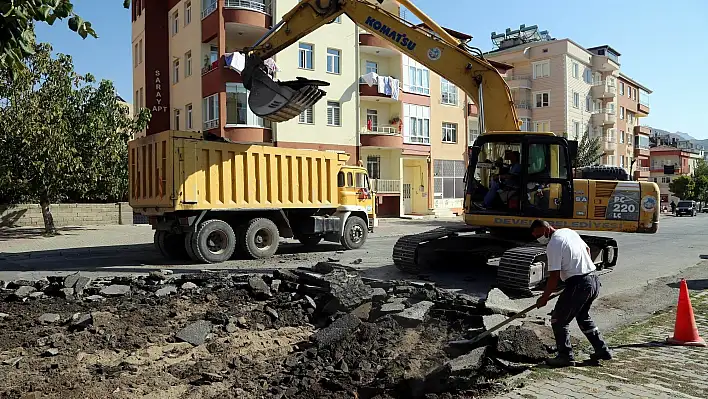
<point>543,240</point>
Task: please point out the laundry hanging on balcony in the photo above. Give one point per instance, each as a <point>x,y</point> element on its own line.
<point>237,62</point>
<point>370,78</point>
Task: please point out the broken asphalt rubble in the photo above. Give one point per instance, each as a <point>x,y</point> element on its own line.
<point>375,338</point>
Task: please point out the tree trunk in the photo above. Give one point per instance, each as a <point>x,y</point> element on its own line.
<point>49,228</point>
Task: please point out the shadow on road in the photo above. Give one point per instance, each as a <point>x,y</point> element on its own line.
<point>14,233</point>
<point>693,285</point>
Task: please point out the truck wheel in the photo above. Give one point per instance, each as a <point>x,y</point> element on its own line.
<point>310,241</point>
<point>214,241</point>
<point>260,238</point>
<point>188,246</point>
<point>355,233</point>
<point>170,245</point>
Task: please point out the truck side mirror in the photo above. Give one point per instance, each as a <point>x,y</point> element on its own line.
<point>572,149</point>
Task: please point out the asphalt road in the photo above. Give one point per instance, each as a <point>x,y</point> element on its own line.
<point>642,282</point>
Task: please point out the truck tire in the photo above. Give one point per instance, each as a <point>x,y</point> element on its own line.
<point>214,241</point>
<point>188,246</point>
<point>260,238</point>
<point>355,232</point>
<point>170,245</point>
<point>310,241</point>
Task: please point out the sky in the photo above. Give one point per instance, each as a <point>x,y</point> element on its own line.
<point>660,42</point>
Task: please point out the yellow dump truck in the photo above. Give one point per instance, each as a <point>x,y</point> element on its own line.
<point>208,199</point>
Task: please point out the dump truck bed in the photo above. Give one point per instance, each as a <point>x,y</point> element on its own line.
<point>174,170</point>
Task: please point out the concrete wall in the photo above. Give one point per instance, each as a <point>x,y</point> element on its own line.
<point>30,215</point>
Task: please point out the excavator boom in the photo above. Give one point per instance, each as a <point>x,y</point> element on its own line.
<point>441,53</point>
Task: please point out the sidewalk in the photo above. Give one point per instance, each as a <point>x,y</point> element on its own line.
<point>643,366</point>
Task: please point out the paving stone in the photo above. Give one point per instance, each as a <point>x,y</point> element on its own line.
<point>497,302</point>
<point>49,318</point>
<point>337,331</point>
<point>195,333</point>
<point>188,286</point>
<point>80,321</point>
<point>379,294</point>
<point>24,291</point>
<point>166,290</point>
<point>116,290</point>
<point>259,288</point>
<point>413,316</point>
<point>521,345</point>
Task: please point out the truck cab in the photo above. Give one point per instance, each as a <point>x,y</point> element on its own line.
<point>355,192</point>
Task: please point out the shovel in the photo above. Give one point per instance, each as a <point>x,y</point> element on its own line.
<point>502,324</point>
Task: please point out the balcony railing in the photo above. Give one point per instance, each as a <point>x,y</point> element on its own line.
<point>523,105</point>
<point>255,5</point>
<point>210,67</point>
<point>386,186</point>
<point>389,130</point>
<point>211,124</point>
<point>208,9</point>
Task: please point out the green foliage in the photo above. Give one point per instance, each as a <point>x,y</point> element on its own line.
<point>682,187</point>
<point>589,151</point>
<point>17,19</point>
<point>63,137</point>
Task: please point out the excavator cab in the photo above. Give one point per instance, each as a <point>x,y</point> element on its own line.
<point>517,174</point>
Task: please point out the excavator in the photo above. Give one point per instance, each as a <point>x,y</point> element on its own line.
<point>513,177</point>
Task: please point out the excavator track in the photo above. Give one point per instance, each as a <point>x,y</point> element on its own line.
<point>405,251</point>
<point>521,269</point>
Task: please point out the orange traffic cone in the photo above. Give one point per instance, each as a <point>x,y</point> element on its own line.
<point>685,330</point>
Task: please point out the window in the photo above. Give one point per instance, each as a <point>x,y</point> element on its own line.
<point>334,60</point>
<point>576,70</point>
<point>634,94</point>
<point>449,92</point>
<point>140,51</point>
<point>306,52</point>
<point>373,166</point>
<point>350,179</point>
<point>338,20</point>
<point>175,71</point>
<point>621,88</point>
<point>136,101</point>
<point>541,69</point>
<point>611,160</point>
<point>187,13</point>
<point>576,100</point>
<point>416,124</point>
<point>135,55</point>
<point>576,129</point>
<point>630,117</point>
<point>372,67</point>
<point>526,125</point>
<point>449,132</point>
<point>372,120</point>
<point>213,54</point>
<point>588,104</point>
<point>542,99</point>
<point>334,114</point>
<point>175,22</point>
<point>621,112</point>
<point>142,98</point>
<point>622,157</point>
<point>416,77</point>
<point>629,92</point>
<point>448,178</point>
<point>542,126</point>
<point>588,76</point>
<point>188,117</point>
<point>210,112</point>
<point>237,110</point>
<point>474,133</point>
<point>176,127</point>
<point>188,64</point>
<point>621,136</point>
<point>308,116</point>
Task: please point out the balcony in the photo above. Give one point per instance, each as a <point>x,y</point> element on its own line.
<point>215,75</point>
<point>641,172</point>
<point>641,152</point>
<point>372,92</point>
<point>472,110</point>
<point>245,19</point>
<point>518,81</point>
<point>604,117</point>
<point>261,6</point>
<point>374,45</point>
<point>386,186</point>
<point>609,147</point>
<point>643,130</point>
<point>604,90</point>
<point>381,137</point>
<point>604,63</point>
<point>642,110</point>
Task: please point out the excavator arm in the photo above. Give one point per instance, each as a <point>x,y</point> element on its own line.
<point>441,53</point>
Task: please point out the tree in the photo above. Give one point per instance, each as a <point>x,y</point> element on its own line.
<point>17,19</point>
<point>589,151</point>
<point>683,187</point>
<point>61,135</point>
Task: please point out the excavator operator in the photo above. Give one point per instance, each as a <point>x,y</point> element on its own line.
<point>506,183</point>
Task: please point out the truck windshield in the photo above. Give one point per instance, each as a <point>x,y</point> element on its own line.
<point>685,204</point>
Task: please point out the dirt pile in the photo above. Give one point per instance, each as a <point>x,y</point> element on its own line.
<point>322,332</point>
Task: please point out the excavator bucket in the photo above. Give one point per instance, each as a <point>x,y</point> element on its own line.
<point>274,100</point>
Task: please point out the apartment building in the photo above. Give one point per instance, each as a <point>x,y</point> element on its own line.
<point>413,142</point>
<point>669,162</point>
<point>560,86</point>
<point>180,72</point>
<point>633,103</point>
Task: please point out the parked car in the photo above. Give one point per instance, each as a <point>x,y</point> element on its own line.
<point>686,208</point>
